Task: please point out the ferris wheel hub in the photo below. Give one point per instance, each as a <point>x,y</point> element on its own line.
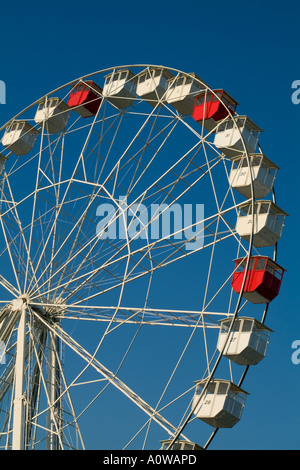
<point>25,298</point>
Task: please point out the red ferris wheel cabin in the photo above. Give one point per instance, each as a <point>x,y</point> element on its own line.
<point>85,98</point>
<point>263,279</point>
<point>211,108</point>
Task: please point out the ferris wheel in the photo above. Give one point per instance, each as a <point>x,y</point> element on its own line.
<point>139,232</point>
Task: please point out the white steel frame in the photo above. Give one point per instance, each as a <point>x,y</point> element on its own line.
<point>56,266</point>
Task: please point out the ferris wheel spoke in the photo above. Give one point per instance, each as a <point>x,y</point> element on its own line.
<point>120,315</point>
<point>70,258</point>
<point>38,170</point>
<point>111,377</point>
<point>8,246</point>
<point>74,243</point>
<point>147,143</point>
<point>60,205</point>
<point>95,238</point>
<point>56,389</point>
<point>169,258</point>
<point>95,193</point>
<point>104,238</point>
<point>23,242</point>
<point>8,286</point>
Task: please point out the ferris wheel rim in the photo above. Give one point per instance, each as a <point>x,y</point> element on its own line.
<point>246,153</point>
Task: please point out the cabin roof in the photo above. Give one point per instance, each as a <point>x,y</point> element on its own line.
<point>268,162</point>
<point>233,387</point>
<point>263,201</point>
<point>273,263</point>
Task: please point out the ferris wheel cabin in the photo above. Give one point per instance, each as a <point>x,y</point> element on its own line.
<point>268,222</point>
<point>182,91</point>
<point>263,175</point>
<point>152,84</point>
<point>85,98</point>
<point>248,340</point>
<point>54,113</point>
<point>221,404</point>
<point>19,137</point>
<point>263,281</point>
<point>179,444</point>
<point>210,108</point>
<point>120,88</point>
<point>232,134</point>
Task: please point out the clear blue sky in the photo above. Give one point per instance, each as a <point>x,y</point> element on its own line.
<point>251,49</point>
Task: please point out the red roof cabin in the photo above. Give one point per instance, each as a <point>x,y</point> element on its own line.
<point>210,108</point>
<point>263,279</point>
<point>85,98</point>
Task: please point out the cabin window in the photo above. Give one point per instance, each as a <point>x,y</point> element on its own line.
<point>264,208</point>
<point>221,127</point>
<point>261,264</point>
<point>278,273</point>
<point>218,95</point>
<point>265,167</point>
<point>176,446</point>
<point>235,326</point>
<point>247,210</point>
<point>273,213</point>
<point>113,78</point>
<point>247,326</point>
<point>241,266</point>
<point>222,389</point>
<point>257,161</point>
<point>16,126</point>
<point>229,105</point>
<point>244,163</point>
<point>41,105</point>
<point>226,325</point>
<point>200,100</point>
<point>229,124</point>
<point>211,388</point>
<point>248,128</point>
<point>187,446</point>
<point>240,122</point>
<point>80,87</point>
<point>275,272</point>
<point>251,264</point>
<point>142,78</point>
<point>238,397</point>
